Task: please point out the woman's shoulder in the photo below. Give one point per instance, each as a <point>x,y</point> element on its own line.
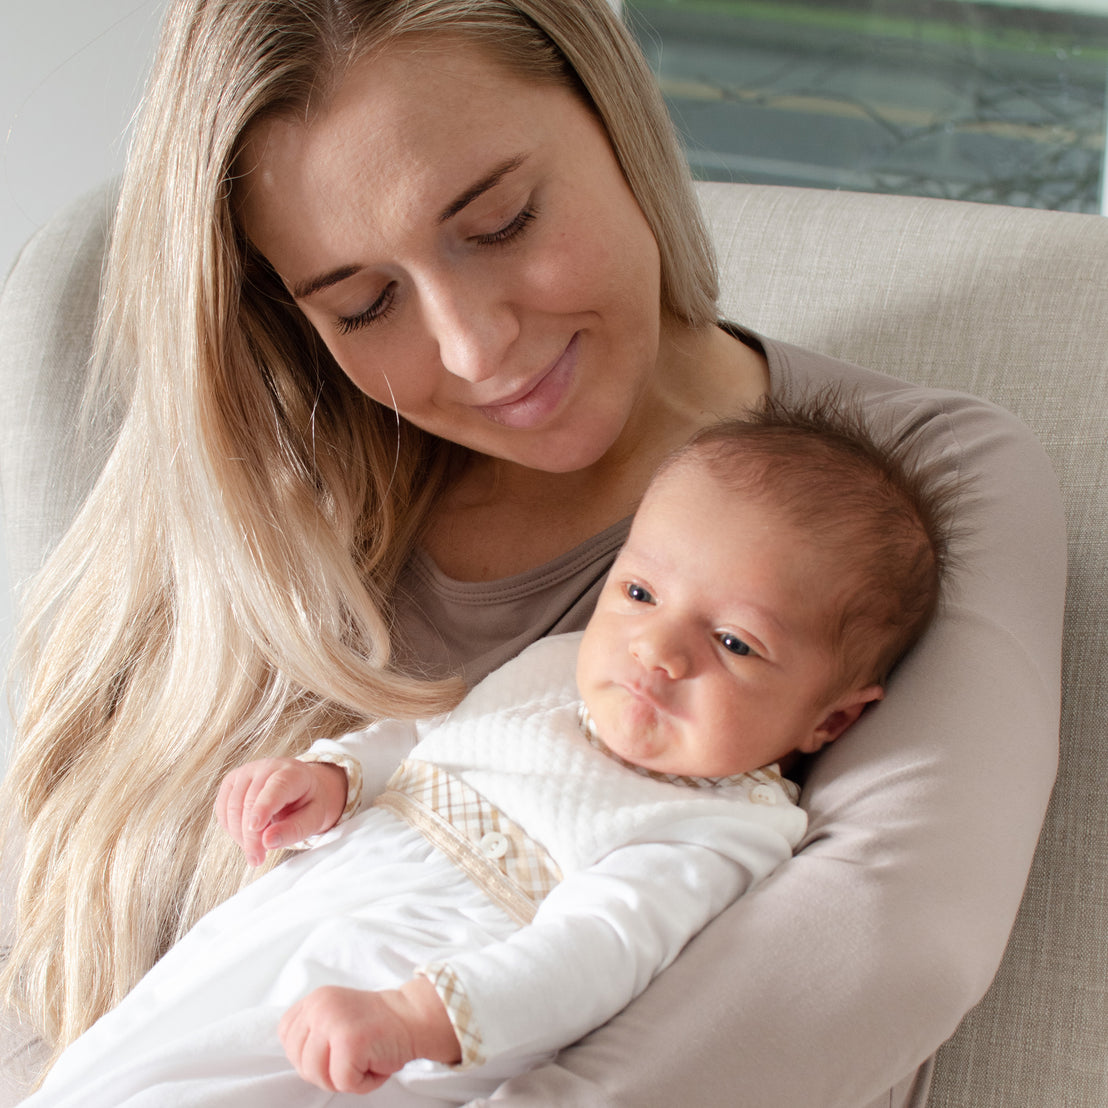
<point>796,371</point>
<point>939,419</point>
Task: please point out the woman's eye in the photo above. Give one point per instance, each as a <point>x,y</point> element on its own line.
<point>733,644</point>
<point>512,229</point>
<point>380,309</point>
<point>638,594</point>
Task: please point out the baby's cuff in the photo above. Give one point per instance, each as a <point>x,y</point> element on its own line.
<point>458,1008</point>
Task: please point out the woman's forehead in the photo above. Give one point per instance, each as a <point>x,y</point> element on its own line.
<point>433,84</point>
<point>404,136</point>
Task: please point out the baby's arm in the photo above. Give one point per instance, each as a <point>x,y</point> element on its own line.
<point>350,1040</point>
<point>276,802</point>
<point>596,942</point>
<point>305,790</point>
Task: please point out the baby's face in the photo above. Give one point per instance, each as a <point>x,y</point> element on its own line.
<point>704,655</point>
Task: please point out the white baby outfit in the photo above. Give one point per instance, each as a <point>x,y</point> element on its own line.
<point>535,879</point>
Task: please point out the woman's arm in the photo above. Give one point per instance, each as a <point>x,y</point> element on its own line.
<point>843,972</point>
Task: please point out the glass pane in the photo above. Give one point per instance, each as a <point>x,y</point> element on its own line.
<point>975,101</point>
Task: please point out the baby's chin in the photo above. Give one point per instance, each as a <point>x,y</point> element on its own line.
<point>642,745</point>
<point>649,742</point>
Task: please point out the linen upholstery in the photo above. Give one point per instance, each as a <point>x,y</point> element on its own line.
<point>1010,304</point>
<point>47,318</point>
<point>1007,303</point>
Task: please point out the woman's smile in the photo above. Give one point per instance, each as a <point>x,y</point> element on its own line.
<point>540,398</point>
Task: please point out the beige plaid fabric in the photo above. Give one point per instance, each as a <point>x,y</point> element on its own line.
<point>497,853</point>
<point>459,1009</point>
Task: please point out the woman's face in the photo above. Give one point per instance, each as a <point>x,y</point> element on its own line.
<point>465,244</point>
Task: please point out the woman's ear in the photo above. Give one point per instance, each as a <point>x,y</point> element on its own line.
<point>842,713</point>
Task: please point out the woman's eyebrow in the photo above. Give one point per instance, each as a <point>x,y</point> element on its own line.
<point>303,289</point>
<point>480,188</point>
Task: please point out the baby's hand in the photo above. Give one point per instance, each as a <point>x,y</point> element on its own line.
<point>350,1041</point>
<point>276,802</point>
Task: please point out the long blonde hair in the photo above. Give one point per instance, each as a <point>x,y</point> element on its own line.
<point>224,592</point>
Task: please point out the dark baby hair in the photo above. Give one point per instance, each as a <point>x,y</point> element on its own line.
<point>881,523</point>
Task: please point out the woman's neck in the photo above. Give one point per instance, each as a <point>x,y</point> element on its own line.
<point>501,519</point>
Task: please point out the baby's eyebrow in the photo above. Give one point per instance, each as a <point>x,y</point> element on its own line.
<point>480,187</point>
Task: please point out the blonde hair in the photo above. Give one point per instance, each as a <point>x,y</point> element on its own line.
<point>224,592</point>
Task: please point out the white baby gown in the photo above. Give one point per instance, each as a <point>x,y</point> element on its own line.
<point>201,1027</point>
<point>639,866</point>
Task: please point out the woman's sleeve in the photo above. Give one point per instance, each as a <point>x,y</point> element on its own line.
<point>835,979</point>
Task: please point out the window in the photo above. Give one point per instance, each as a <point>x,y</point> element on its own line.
<point>991,102</point>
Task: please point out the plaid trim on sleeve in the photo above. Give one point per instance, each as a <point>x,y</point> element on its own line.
<point>460,1011</point>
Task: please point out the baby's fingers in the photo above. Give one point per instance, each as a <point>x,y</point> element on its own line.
<point>249,799</point>
<point>324,1048</point>
<point>289,806</point>
<point>292,1032</point>
<point>307,1048</point>
<point>229,802</point>
<point>269,796</point>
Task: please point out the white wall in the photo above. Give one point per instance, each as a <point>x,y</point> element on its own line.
<point>71,74</point>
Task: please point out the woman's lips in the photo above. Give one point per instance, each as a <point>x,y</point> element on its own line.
<point>538,399</point>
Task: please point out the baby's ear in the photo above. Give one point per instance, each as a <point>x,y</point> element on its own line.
<point>845,710</point>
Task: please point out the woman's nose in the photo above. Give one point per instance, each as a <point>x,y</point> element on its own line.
<point>472,324</point>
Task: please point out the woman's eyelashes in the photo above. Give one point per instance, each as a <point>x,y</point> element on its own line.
<point>383,306</point>
<point>511,230</point>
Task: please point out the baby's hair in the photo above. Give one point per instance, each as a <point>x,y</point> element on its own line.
<point>883,523</point>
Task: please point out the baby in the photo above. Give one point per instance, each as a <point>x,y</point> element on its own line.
<point>549,846</point>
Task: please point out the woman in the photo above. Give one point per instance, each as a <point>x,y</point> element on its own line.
<point>406,301</point>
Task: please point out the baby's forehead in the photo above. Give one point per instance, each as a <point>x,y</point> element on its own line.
<point>701,490</point>
<point>804,501</point>
<point>819,554</point>
<point>728,520</point>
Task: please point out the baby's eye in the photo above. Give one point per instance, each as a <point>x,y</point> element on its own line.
<point>733,644</point>
<point>637,593</point>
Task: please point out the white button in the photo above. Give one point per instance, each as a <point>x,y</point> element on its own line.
<point>762,794</point>
<point>494,844</point>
